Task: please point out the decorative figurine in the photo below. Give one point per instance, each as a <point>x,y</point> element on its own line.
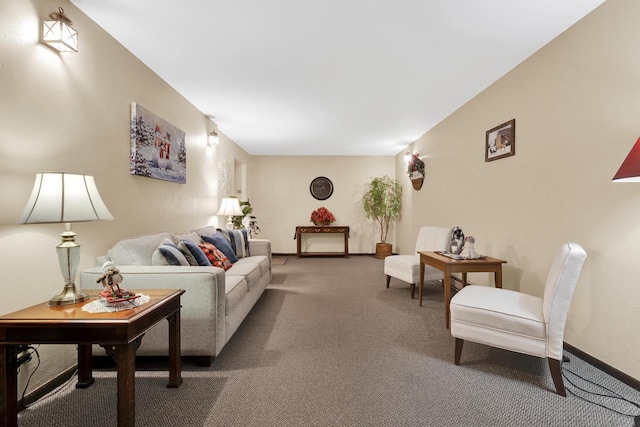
<point>111,279</point>
<point>469,250</point>
<point>457,241</point>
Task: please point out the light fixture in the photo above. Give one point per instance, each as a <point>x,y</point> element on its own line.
<point>59,197</point>
<point>230,206</point>
<point>630,169</point>
<point>212,139</point>
<point>58,33</point>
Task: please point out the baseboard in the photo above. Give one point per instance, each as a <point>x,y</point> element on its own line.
<point>294,254</point>
<point>619,375</point>
<point>47,388</point>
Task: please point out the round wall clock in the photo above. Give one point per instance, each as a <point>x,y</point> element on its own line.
<point>321,188</point>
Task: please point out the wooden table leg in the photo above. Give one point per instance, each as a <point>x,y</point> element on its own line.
<point>85,368</point>
<point>298,245</point>
<point>175,361</point>
<point>8,385</point>
<point>125,355</point>
<point>346,245</point>
<point>421,282</point>
<point>447,296</point>
<point>498,277</point>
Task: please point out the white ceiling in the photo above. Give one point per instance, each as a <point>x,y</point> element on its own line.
<point>332,77</point>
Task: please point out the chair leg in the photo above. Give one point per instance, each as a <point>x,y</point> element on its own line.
<point>556,374</point>
<point>388,280</point>
<point>412,287</point>
<point>459,343</point>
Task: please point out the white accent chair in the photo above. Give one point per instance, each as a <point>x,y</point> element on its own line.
<point>407,267</point>
<point>519,322</point>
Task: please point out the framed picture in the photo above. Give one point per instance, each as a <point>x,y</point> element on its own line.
<point>157,147</point>
<point>501,141</point>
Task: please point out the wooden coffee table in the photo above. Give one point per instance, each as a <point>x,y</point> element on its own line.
<point>449,265</point>
<point>120,333</point>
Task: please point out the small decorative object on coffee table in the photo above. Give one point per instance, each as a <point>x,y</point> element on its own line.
<point>111,279</point>
<point>469,250</point>
<point>322,216</point>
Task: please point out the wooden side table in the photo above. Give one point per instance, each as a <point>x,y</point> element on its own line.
<point>120,333</point>
<point>449,265</point>
<point>320,230</point>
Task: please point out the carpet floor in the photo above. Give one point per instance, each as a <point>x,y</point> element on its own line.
<point>329,345</point>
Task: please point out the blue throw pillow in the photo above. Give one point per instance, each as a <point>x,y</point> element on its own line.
<point>238,240</point>
<point>220,242</point>
<point>168,254</point>
<point>193,253</point>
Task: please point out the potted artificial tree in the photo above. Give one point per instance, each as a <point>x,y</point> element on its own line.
<point>381,202</point>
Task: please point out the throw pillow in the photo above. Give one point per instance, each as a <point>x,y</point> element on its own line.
<point>215,256</point>
<point>168,254</point>
<point>239,241</point>
<point>222,244</point>
<point>193,253</point>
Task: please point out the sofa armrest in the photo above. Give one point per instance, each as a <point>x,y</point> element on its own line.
<point>260,247</point>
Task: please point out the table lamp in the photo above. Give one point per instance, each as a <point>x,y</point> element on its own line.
<point>230,206</point>
<point>59,197</point>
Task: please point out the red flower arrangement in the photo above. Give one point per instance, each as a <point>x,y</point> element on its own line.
<point>322,216</point>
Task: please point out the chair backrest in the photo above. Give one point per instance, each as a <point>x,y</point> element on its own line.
<point>432,238</point>
<point>561,282</point>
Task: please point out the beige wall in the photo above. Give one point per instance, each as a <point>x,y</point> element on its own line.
<point>281,199</point>
<point>577,108</point>
<point>70,112</point>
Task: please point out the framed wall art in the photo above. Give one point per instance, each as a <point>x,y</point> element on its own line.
<point>501,141</point>
<point>157,147</point>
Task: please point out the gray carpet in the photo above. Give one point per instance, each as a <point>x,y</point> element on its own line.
<point>329,345</point>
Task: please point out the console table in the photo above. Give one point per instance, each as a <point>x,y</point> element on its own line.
<point>320,230</point>
<point>120,333</point>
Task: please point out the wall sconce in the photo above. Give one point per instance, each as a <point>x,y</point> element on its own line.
<point>212,139</point>
<point>415,169</point>
<point>58,34</point>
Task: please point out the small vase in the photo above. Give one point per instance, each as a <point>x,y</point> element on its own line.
<point>319,223</point>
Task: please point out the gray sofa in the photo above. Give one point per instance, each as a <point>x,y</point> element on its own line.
<point>215,302</point>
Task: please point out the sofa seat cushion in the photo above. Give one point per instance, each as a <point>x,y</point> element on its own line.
<point>250,271</point>
<point>235,288</point>
<point>259,260</point>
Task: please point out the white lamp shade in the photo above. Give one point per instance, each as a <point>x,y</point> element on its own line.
<point>230,206</point>
<point>64,197</point>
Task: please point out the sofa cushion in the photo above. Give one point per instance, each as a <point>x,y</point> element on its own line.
<point>260,260</point>
<point>168,254</point>
<point>239,241</point>
<point>136,250</point>
<point>248,270</point>
<point>235,288</point>
<point>215,256</point>
<point>193,253</point>
<point>221,242</point>
<point>190,236</point>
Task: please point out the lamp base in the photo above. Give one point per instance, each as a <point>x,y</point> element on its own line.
<point>68,296</point>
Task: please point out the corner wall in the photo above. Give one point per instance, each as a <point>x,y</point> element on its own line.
<point>577,106</point>
<point>71,112</point>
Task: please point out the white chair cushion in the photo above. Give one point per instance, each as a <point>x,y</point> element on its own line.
<point>500,318</point>
<point>407,269</point>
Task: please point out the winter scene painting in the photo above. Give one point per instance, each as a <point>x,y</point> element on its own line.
<point>157,147</point>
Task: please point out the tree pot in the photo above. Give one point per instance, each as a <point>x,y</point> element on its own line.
<point>383,250</point>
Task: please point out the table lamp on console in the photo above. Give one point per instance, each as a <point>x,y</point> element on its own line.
<point>230,207</point>
<point>59,197</point>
